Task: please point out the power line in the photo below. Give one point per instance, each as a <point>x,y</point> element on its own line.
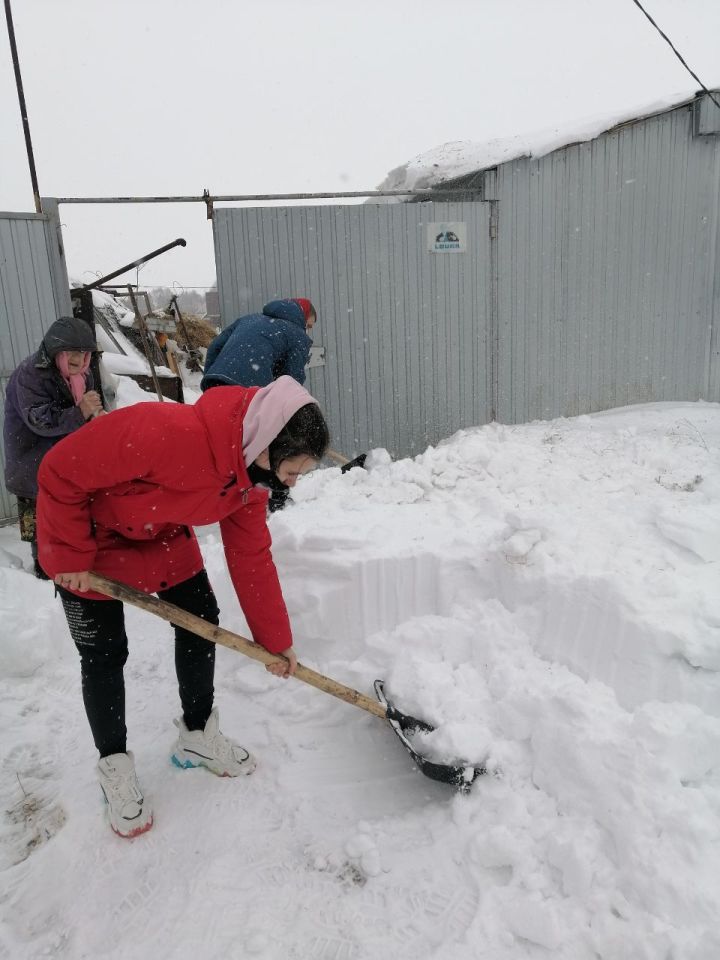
<point>676,52</point>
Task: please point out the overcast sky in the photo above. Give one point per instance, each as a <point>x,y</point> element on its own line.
<point>150,97</point>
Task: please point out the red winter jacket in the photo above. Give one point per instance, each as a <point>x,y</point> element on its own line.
<point>119,497</point>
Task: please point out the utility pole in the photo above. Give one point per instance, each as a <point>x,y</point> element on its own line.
<point>23,108</point>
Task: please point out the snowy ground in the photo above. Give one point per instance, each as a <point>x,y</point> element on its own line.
<point>546,595</point>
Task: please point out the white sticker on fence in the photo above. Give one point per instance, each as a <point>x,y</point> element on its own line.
<point>317,357</point>
<point>447,237</point>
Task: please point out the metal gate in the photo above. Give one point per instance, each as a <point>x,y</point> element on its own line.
<point>405,301</point>
<point>34,292</point>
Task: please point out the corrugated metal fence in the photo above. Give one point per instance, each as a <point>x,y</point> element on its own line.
<point>608,258</point>
<point>590,278</point>
<point>33,293</point>
<point>407,333</point>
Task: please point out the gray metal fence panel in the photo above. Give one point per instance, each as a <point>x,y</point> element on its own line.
<point>606,267</point>
<point>407,333</point>
<point>714,361</point>
<point>29,302</point>
<point>607,256</point>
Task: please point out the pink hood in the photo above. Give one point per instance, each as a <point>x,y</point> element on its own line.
<point>268,412</point>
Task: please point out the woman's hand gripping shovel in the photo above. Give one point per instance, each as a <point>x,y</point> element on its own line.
<point>459,775</point>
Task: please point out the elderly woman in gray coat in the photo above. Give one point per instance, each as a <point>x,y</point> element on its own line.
<point>49,395</point>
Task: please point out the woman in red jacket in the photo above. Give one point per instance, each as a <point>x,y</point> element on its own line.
<point>120,498</point>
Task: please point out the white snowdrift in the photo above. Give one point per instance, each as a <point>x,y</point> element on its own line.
<point>545,594</point>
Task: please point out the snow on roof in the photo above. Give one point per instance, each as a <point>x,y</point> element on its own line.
<point>112,309</point>
<point>461,157</point>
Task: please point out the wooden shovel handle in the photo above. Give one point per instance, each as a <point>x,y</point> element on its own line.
<point>337,457</point>
<point>181,618</point>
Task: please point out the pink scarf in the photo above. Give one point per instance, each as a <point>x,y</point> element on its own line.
<point>75,381</point>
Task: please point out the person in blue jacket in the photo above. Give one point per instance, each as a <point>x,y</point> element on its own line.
<point>257,349</point>
<point>260,347</point>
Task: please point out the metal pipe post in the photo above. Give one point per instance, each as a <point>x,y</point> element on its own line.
<point>23,107</point>
<point>136,263</point>
<point>145,334</point>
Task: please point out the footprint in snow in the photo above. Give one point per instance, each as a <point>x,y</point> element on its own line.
<point>31,813</point>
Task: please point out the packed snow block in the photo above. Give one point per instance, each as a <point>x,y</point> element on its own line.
<point>533,918</point>
<point>29,642</point>
<point>681,737</point>
<point>9,559</point>
<point>703,541</point>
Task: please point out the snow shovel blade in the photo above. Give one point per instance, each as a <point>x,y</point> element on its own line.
<point>342,461</point>
<point>357,462</point>
<point>459,776</point>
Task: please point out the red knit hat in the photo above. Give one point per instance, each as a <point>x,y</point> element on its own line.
<point>306,307</point>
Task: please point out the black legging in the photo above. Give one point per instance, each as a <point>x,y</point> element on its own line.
<point>98,629</point>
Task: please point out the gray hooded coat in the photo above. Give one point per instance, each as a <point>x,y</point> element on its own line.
<point>39,407</point>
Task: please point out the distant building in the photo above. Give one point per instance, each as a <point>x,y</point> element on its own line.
<point>212,306</point>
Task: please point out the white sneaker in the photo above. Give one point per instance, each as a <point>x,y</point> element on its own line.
<point>130,814</point>
<point>210,748</point>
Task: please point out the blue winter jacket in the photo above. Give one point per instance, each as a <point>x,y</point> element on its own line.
<point>39,407</point>
<point>257,349</point>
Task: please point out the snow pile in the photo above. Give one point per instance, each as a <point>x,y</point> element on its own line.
<point>544,594</point>
<point>461,157</point>
<point>120,358</point>
<point>113,311</point>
